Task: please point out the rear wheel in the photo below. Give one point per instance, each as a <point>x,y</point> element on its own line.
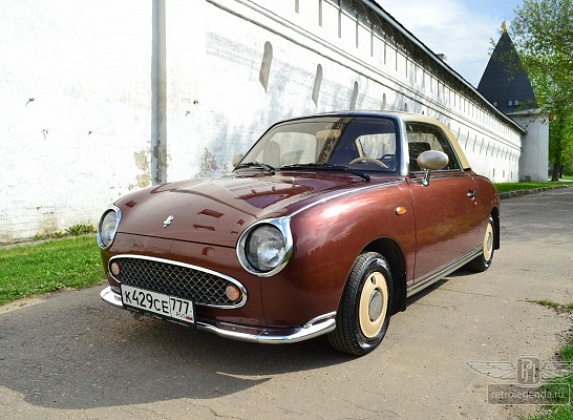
<point>483,262</point>
<point>364,312</point>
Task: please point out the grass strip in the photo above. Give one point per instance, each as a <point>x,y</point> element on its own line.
<point>515,186</point>
<point>553,305</point>
<point>37,268</point>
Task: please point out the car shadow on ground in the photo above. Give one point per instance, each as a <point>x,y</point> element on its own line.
<point>74,351</point>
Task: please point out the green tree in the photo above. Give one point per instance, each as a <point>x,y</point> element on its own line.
<point>542,32</point>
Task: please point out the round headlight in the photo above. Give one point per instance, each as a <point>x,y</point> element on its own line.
<point>107,228</point>
<point>265,248</point>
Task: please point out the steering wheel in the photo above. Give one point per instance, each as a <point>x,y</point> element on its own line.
<point>367,159</point>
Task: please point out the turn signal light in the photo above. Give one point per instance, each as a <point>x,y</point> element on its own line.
<point>114,267</point>
<point>233,293</point>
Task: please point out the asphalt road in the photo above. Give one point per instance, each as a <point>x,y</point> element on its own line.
<point>69,355</point>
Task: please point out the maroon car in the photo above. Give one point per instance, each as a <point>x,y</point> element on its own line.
<point>325,226</point>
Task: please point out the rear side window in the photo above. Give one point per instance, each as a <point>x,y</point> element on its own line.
<point>422,137</point>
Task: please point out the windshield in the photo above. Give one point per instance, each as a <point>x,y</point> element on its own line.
<point>360,143</point>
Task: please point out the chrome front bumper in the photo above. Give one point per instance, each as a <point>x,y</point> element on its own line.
<point>315,327</point>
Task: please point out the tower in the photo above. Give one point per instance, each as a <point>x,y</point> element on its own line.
<point>506,85</point>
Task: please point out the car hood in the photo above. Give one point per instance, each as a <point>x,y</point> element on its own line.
<point>217,211</point>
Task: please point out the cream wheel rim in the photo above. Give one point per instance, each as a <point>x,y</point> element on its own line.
<point>373,304</point>
<point>488,242</point>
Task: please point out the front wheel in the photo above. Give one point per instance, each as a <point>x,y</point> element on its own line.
<point>483,261</point>
<point>364,312</point>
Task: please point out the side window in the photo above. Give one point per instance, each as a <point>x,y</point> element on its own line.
<point>422,137</point>
<point>370,144</point>
<point>378,146</point>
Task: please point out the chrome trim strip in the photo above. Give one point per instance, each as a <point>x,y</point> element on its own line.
<point>243,289</point>
<point>111,297</point>
<point>117,211</point>
<point>440,273</point>
<point>303,333</point>
<point>320,318</point>
<point>320,325</point>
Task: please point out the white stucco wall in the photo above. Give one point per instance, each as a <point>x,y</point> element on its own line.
<point>218,106</point>
<point>74,106</point>
<point>88,135</point>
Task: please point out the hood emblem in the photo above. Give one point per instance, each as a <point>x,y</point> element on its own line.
<point>167,221</point>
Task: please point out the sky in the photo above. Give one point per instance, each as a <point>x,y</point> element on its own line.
<point>460,29</point>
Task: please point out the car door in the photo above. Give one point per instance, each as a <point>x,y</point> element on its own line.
<point>446,210</point>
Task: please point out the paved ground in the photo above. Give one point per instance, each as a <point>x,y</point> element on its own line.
<point>72,356</point>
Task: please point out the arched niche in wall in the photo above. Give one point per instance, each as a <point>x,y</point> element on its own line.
<point>265,71</point>
<point>317,83</point>
<point>376,33</point>
<point>354,96</point>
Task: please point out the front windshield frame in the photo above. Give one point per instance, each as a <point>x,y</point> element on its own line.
<point>371,143</point>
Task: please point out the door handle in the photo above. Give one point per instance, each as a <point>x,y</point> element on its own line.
<point>472,193</point>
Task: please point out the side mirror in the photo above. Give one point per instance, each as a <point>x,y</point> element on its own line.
<point>431,160</point>
<point>237,157</point>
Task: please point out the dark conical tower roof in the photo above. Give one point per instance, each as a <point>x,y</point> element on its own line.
<point>505,83</point>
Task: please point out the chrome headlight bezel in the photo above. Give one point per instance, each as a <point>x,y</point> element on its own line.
<point>108,228</point>
<point>282,226</point>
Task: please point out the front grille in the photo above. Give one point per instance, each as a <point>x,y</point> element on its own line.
<point>178,279</point>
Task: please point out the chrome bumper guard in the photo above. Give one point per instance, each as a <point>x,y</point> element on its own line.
<point>315,327</point>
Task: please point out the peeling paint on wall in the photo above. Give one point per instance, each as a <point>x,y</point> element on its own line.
<point>49,221</point>
<point>142,162</point>
<point>6,238</point>
<point>210,165</point>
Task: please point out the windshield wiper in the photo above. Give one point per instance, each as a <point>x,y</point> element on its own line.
<point>256,165</point>
<point>326,167</point>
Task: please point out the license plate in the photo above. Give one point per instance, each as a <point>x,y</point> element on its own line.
<point>158,303</point>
